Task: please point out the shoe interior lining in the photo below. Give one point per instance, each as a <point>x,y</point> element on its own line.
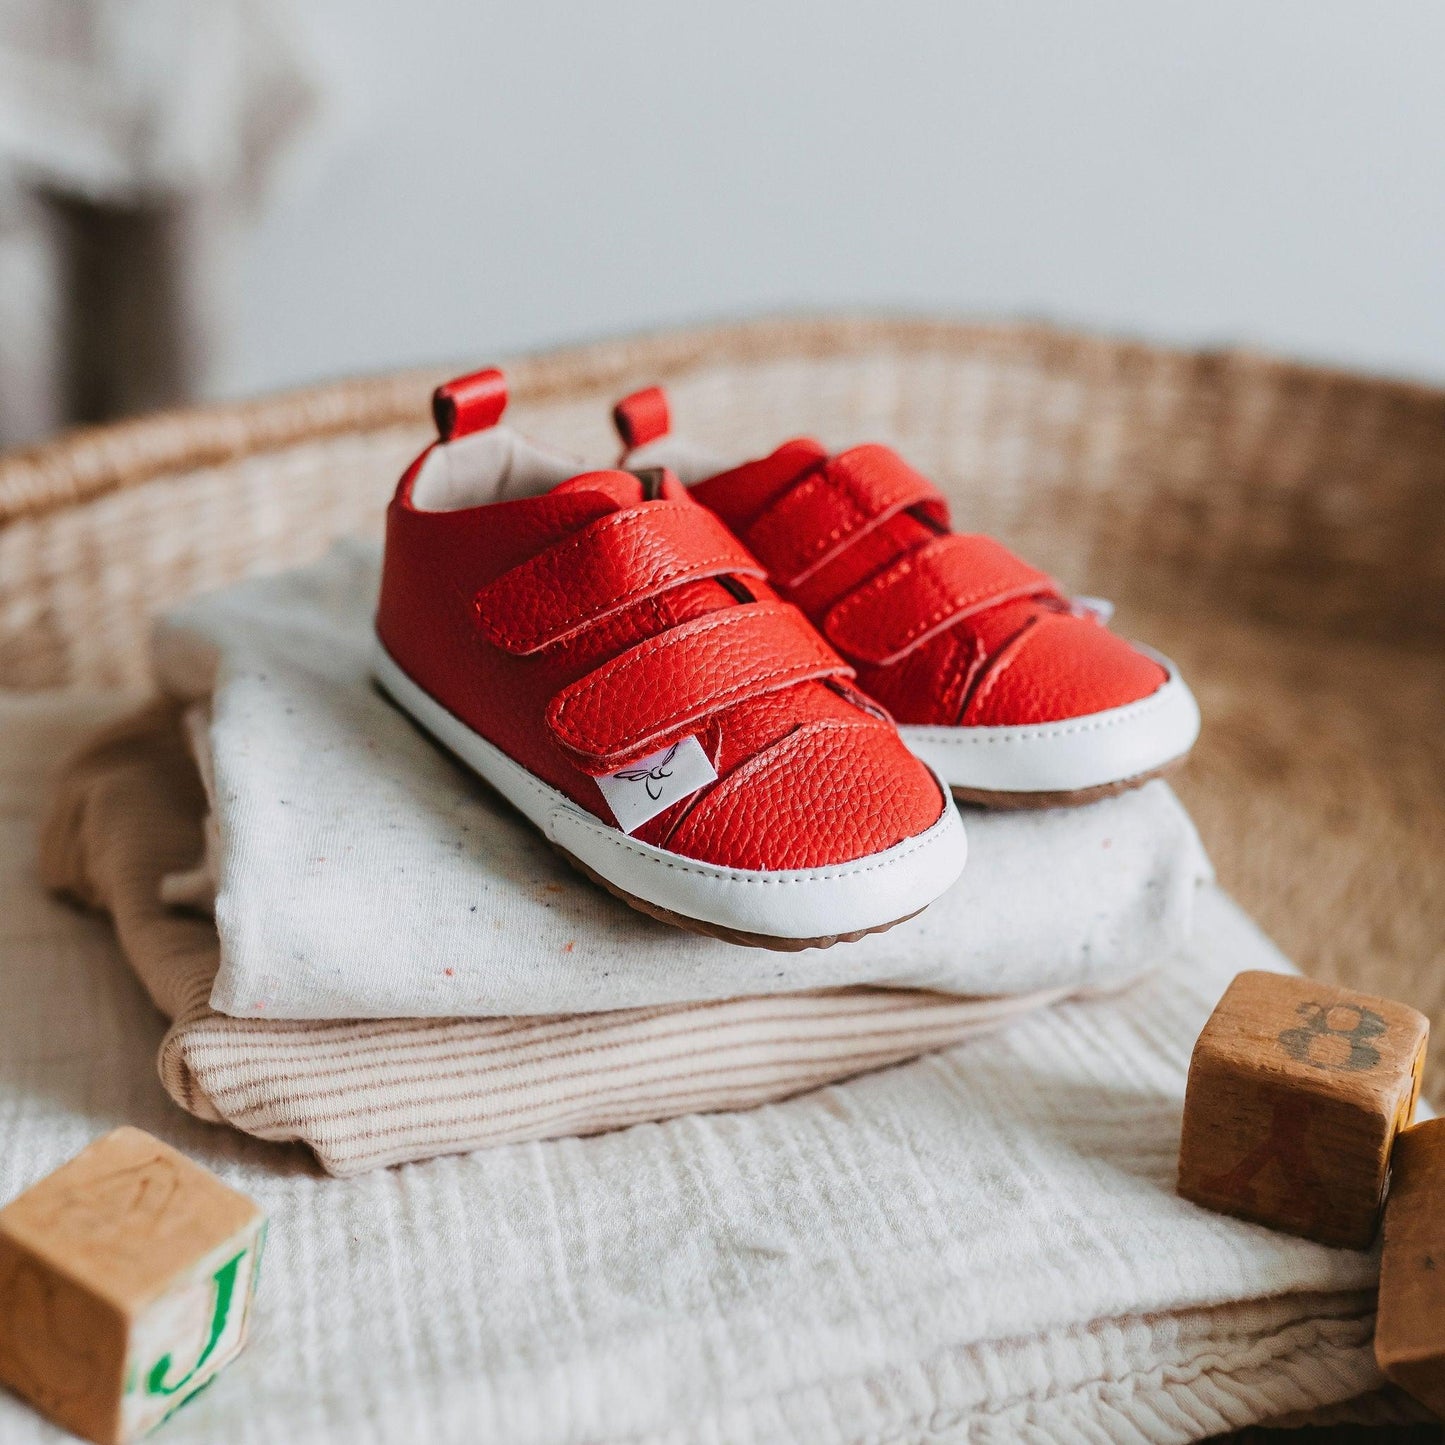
<point>688,462</point>
<point>495,465</point>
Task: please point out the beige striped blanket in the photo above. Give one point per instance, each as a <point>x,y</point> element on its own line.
<point>128,811</point>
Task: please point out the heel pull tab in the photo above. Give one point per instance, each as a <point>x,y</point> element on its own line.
<point>642,417</point>
<point>469,403</point>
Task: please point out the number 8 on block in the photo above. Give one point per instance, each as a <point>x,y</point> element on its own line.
<point>1296,1092</point>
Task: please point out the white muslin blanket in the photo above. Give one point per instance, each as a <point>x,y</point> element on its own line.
<point>343,835</point>
<point>984,1245</point>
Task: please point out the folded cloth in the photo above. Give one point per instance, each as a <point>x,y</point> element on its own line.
<point>366,1093</point>
<point>345,835</point>
<point>983,1245</point>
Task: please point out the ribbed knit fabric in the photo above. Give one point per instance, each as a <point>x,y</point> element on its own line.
<point>983,1245</point>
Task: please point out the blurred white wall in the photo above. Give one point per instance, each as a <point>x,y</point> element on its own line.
<point>516,175</point>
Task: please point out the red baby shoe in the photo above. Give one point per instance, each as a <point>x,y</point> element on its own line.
<point>1018,696</point>
<point>605,654</point>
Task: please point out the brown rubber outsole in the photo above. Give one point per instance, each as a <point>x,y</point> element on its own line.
<point>1017,802</point>
<point>716,930</point>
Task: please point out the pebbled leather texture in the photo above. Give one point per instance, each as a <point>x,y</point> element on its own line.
<point>943,629</point>
<point>852,777</point>
<point>926,591</point>
<point>611,564</point>
<point>467,596</point>
<point>833,505</point>
<point>657,692</point>
<point>1052,669</point>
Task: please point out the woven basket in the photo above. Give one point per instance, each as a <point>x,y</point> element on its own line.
<point>1279,530</point>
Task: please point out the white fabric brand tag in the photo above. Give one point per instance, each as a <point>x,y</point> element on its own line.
<point>643,789</point>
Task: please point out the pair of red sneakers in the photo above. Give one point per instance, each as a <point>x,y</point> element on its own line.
<point>687,674</point>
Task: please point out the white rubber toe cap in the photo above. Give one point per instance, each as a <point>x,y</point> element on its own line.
<point>1093,751</point>
<point>857,896</point>
<point>803,903</point>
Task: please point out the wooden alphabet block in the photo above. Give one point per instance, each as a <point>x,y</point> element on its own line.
<point>1410,1325</point>
<point>126,1280</point>
<point>1296,1092</point>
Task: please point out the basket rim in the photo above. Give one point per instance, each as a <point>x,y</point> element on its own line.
<point>87,462</point>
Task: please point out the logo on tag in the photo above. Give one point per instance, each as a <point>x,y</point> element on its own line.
<point>643,789</point>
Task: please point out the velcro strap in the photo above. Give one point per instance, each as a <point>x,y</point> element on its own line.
<point>927,591</point>
<point>828,510</point>
<point>610,564</point>
<point>660,690</point>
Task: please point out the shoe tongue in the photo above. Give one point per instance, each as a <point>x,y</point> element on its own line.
<point>800,453</point>
<point>743,493</point>
<point>625,489</point>
<point>622,489</point>
<point>575,503</point>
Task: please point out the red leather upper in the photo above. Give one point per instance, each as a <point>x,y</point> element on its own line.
<point>927,591</point>
<point>664,688</point>
<point>607,566</point>
<point>585,628</point>
<point>834,505</point>
<point>943,628</point>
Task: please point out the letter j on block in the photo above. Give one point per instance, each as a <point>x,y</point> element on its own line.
<point>1296,1092</point>
<point>126,1280</point>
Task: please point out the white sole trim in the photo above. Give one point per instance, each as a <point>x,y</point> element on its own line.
<point>1094,751</point>
<point>801,903</point>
